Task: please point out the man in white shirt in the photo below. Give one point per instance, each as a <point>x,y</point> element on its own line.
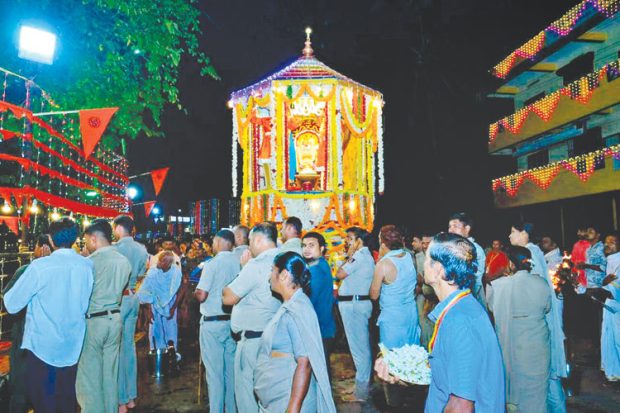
<point>56,290</point>
<point>553,256</point>
<point>610,332</point>
<point>461,224</point>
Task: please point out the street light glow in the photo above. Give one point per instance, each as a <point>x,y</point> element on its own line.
<point>156,210</point>
<point>132,192</point>
<point>37,45</point>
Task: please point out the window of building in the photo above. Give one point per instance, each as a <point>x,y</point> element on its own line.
<point>590,141</point>
<point>537,159</point>
<point>578,67</point>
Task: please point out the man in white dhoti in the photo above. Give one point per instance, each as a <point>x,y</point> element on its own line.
<point>160,289</point>
<point>610,335</point>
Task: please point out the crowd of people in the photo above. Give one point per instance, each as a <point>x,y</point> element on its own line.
<point>495,322</point>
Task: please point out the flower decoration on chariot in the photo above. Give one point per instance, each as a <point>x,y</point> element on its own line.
<point>307,106</point>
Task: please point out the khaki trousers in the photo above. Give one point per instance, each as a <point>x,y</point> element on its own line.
<point>97,375</point>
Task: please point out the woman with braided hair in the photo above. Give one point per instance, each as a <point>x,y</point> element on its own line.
<point>291,374</point>
<point>519,302</point>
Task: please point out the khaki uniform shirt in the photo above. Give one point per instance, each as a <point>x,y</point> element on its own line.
<point>257,305</point>
<point>137,256</point>
<point>111,274</point>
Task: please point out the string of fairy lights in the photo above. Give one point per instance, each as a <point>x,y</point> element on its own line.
<point>583,166</point>
<point>581,90</point>
<point>559,28</point>
<point>49,162</point>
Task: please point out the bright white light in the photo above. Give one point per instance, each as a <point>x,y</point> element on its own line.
<point>352,205</point>
<point>86,222</point>
<point>315,205</point>
<point>6,208</point>
<point>156,210</point>
<point>137,51</point>
<point>55,216</point>
<point>132,192</point>
<point>37,45</point>
<point>34,209</point>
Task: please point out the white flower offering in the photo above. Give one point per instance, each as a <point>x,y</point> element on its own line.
<point>409,363</point>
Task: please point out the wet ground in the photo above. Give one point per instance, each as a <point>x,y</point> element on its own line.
<point>186,392</point>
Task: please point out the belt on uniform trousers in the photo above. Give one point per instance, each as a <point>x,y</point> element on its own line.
<point>129,291</point>
<point>222,317</point>
<point>101,313</point>
<point>252,334</point>
<point>353,297</point>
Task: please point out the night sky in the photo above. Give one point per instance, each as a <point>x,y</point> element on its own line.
<point>430,59</point>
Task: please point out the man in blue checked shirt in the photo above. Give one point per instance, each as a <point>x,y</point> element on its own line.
<point>56,291</point>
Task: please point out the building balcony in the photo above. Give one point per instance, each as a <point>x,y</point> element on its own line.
<point>574,24</point>
<point>585,96</point>
<point>588,174</point>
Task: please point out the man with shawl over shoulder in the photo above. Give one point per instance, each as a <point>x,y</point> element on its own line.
<point>159,289</point>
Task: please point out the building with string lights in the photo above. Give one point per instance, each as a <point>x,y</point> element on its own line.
<point>47,167</point>
<point>563,137</point>
<point>312,147</point>
<point>211,215</point>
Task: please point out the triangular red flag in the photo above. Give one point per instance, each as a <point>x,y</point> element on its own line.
<point>159,176</point>
<point>148,207</point>
<point>93,123</point>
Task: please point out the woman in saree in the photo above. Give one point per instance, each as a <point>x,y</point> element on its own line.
<point>291,374</point>
<point>520,302</point>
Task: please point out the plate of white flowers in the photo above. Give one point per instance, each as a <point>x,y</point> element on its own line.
<point>409,363</point>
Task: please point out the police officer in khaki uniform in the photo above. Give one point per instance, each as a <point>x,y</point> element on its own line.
<point>97,374</point>
<point>254,306</point>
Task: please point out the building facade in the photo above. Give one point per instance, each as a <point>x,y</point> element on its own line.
<point>563,138</point>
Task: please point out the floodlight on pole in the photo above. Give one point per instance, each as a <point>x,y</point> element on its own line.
<point>156,210</point>
<point>36,44</point>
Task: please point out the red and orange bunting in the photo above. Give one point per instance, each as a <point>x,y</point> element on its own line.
<point>93,122</point>
<point>159,176</point>
<point>148,207</point>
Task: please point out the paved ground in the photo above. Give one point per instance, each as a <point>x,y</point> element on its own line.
<point>181,393</point>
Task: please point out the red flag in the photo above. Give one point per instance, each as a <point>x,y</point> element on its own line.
<point>148,207</point>
<point>93,123</point>
<point>159,176</point>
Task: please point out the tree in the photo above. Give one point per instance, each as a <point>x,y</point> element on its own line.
<point>123,53</point>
